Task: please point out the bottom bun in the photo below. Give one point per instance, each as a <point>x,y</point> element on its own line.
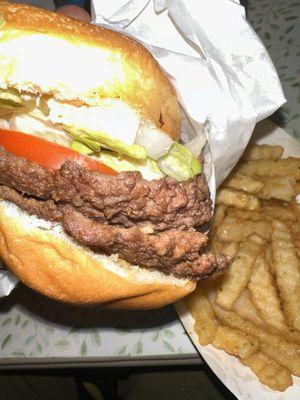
<point>47,260</point>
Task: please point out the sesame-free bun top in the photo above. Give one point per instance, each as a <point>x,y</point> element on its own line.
<point>48,53</point>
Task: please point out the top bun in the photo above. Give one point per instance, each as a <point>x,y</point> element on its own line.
<point>73,61</point>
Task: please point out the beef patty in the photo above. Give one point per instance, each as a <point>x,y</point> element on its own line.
<point>148,223</point>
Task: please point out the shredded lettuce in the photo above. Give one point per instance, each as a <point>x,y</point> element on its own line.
<point>98,140</point>
<point>12,101</point>
<point>179,163</point>
<point>81,147</point>
<point>148,168</point>
<point>156,142</point>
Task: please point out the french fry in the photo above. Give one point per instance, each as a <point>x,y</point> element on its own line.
<point>235,342</point>
<point>245,214</point>
<point>278,187</point>
<point>267,213</point>
<point>244,307</point>
<point>230,249</point>
<point>268,257</point>
<point>236,230</point>
<point>284,167</point>
<point>261,152</point>
<point>244,182</point>
<point>275,346</point>
<point>255,304</point>
<point>286,266</point>
<point>238,199</point>
<point>281,213</point>
<point>238,274</point>
<point>205,324</point>
<point>264,295</point>
<point>216,246</point>
<point>219,215</point>
<point>268,371</point>
<point>296,209</point>
<point>295,231</point>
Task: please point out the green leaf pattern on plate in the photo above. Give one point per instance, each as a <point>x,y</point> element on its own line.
<point>6,341</point>
<point>22,335</point>
<point>83,349</point>
<point>6,322</point>
<point>277,23</point>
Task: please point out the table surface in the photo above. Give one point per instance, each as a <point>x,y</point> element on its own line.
<point>35,331</point>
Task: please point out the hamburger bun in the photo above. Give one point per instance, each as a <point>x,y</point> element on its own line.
<point>47,260</point>
<point>79,65</point>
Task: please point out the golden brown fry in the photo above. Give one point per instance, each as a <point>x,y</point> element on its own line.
<point>238,199</point>
<point>218,217</point>
<point>268,257</point>
<point>296,209</point>
<point>245,214</point>
<point>238,274</point>
<point>264,295</point>
<point>216,246</point>
<point>278,187</point>
<point>235,342</point>
<point>264,305</point>
<point>284,167</point>
<point>244,182</point>
<point>275,346</point>
<point>230,248</point>
<point>244,307</point>
<point>281,213</point>
<point>205,324</point>
<point>286,266</point>
<point>267,213</point>
<point>236,230</point>
<point>269,372</point>
<point>295,231</point>
<point>260,152</point>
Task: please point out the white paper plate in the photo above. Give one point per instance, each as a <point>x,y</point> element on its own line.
<point>239,379</point>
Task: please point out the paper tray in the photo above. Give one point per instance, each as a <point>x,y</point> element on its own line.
<point>239,379</point>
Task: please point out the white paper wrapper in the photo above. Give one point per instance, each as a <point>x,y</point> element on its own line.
<point>224,77</point>
<point>7,281</point>
<point>239,379</point>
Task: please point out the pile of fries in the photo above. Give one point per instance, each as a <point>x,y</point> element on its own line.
<point>252,310</point>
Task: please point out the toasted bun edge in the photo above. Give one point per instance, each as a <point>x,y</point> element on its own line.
<point>141,83</point>
<point>55,266</point>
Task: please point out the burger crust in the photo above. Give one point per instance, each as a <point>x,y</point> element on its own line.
<point>70,273</point>
<point>144,86</point>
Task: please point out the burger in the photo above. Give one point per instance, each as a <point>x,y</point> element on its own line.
<point>101,203</point>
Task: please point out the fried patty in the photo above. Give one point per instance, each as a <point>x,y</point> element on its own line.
<point>154,224</point>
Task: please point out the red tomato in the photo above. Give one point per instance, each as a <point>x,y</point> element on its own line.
<point>47,154</point>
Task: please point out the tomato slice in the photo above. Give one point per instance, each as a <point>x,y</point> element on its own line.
<point>47,154</point>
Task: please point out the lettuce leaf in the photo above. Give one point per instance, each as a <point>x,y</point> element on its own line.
<point>179,163</point>
<point>148,168</point>
<point>81,147</point>
<point>98,140</point>
<point>12,101</point>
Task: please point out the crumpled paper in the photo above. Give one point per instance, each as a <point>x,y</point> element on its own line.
<point>224,77</point>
